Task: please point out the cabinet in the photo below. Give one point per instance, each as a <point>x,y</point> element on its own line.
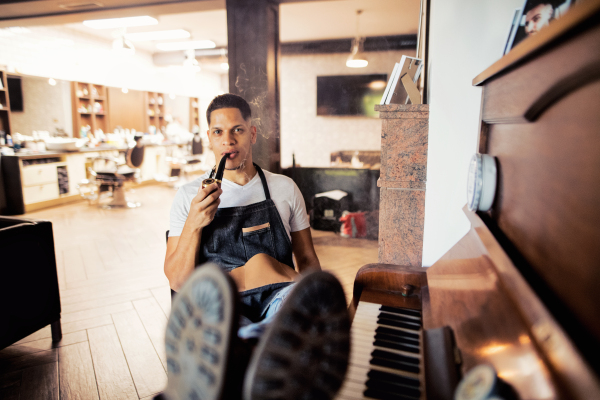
<point>194,114</point>
<point>90,107</point>
<point>4,105</point>
<point>155,110</point>
<point>31,181</point>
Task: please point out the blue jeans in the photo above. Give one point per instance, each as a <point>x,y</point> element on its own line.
<point>249,329</point>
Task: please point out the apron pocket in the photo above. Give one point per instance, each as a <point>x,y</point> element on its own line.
<point>258,239</point>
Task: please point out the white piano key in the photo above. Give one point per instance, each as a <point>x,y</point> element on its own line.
<point>362,338</point>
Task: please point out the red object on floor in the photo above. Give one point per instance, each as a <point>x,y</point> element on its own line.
<point>354,225</point>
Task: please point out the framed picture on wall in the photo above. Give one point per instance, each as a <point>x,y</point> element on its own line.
<point>534,16</point>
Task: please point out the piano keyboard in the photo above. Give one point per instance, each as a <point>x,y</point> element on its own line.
<point>386,356</point>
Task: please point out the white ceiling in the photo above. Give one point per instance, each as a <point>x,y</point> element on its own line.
<point>298,21</point>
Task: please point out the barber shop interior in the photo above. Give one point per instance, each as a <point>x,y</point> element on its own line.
<point>299,199</point>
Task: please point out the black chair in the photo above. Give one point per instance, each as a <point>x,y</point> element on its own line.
<point>28,280</point>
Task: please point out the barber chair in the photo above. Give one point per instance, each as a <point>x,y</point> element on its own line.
<point>29,296</point>
<point>181,163</point>
<point>112,180</point>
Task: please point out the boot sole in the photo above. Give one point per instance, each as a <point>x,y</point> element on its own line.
<point>199,331</point>
<point>304,352</point>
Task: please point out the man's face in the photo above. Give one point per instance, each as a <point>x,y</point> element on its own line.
<point>230,134</point>
<point>537,18</point>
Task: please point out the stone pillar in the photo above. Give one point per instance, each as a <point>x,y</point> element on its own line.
<point>402,182</point>
<point>253,54</point>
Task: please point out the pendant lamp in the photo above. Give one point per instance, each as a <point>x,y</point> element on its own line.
<point>357,58</point>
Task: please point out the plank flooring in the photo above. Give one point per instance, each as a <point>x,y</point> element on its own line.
<point>115,302</point>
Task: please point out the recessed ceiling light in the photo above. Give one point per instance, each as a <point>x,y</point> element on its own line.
<point>158,35</point>
<point>113,23</point>
<point>192,44</point>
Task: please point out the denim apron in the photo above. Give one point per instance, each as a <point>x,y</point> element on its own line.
<point>225,242</point>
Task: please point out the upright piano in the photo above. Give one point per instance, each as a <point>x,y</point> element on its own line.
<point>519,295</point>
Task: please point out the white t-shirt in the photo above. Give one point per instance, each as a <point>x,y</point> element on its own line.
<point>283,190</point>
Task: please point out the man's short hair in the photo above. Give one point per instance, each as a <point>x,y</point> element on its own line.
<point>229,100</point>
<point>531,4</point>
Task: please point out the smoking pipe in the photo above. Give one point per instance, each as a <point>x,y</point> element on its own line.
<point>219,175</point>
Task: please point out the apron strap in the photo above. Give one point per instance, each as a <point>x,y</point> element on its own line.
<point>261,174</point>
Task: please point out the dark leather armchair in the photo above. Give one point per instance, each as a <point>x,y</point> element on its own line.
<point>29,296</point>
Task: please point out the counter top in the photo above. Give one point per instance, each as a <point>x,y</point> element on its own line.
<point>45,154</point>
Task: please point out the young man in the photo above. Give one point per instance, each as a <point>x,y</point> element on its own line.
<point>250,230</point>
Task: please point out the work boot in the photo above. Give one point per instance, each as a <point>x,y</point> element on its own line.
<point>304,352</point>
<point>201,333</point>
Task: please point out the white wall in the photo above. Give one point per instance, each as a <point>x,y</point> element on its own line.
<point>313,138</point>
<point>62,53</point>
<point>466,36</point>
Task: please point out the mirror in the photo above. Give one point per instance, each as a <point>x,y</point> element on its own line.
<point>46,106</point>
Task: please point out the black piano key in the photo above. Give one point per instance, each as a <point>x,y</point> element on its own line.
<point>394,388</point>
<point>394,356</point>
<point>393,378</point>
<point>395,332</point>
<point>400,366</point>
<point>397,339</point>
<point>396,346</point>
<point>399,318</point>
<point>392,322</point>
<point>406,311</point>
<point>379,394</point>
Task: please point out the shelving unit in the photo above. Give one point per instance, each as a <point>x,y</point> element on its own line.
<point>90,107</point>
<point>4,105</point>
<point>155,111</point>
<point>194,113</point>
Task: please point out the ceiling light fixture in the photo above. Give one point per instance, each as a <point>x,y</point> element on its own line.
<point>357,58</point>
<point>190,61</point>
<point>189,45</point>
<point>158,35</point>
<point>123,46</point>
<point>52,82</point>
<point>224,61</point>
<point>126,22</point>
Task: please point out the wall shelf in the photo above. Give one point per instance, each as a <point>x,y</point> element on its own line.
<point>194,113</point>
<point>155,110</point>
<point>88,96</point>
<point>5,102</point>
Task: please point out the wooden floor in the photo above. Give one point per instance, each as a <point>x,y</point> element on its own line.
<point>115,302</point>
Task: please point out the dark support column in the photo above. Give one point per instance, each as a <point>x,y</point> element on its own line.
<point>253,52</point>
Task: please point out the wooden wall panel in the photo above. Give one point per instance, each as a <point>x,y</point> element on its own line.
<point>549,185</point>
<point>126,110</point>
